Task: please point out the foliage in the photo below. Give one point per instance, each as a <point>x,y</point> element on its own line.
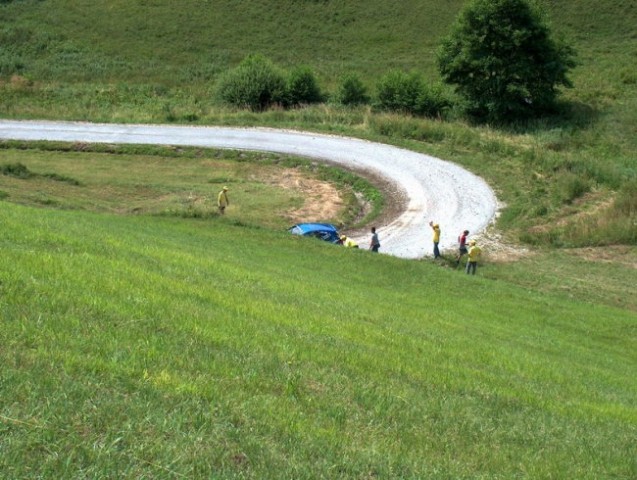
<point>302,87</point>
<point>255,84</point>
<point>502,59</point>
<point>572,186</point>
<point>258,84</point>
<point>433,101</point>
<point>399,91</point>
<point>10,63</point>
<point>61,178</point>
<point>403,92</point>
<point>21,171</point>
<point>351,91</point>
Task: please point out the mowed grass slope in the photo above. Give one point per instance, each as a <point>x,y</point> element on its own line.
<point>169,348</point>
<point>182,182</point>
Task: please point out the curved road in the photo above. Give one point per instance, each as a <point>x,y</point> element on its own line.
<point>434,189</point>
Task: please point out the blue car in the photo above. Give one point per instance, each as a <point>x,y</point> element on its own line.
<point>323,231</point>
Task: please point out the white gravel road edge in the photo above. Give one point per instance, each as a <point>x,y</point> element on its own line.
<point>435,189</point>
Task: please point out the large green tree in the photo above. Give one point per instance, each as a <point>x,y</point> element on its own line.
<point>501,58</point>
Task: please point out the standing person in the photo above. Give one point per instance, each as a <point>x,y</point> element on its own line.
<point>222,200</point>
<point>436,229</point>
<point>462,249</point>
<point>374,244</point>
<point>474,256</point>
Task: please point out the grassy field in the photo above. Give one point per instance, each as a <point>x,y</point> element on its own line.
<point>157,347</point>
<point>144,336</point>
<point>142,340</point>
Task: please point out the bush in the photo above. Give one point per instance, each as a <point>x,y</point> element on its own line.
<point>399,92</point>
<point>433,101</point>
<point>406,92</point>
<point>302,87</point>
<point>255,84</point>
<point>61,178</point>
<point>502,60</point>
<point>351,91</point>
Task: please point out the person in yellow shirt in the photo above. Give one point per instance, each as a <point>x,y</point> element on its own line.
<point>436,229</point>
<point>474,256</point>
<point>222,200</point>
<point>348,242</point>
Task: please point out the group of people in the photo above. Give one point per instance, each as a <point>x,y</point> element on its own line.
<point>473,251</point>
<point>466,247</point>
<point>374,244</point>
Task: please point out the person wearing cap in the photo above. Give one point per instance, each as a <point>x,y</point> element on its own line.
<point>436,229</point>
<point>348,242</point>
<point>474,256</point>
<point>462,248</point>
<point>222,200</point>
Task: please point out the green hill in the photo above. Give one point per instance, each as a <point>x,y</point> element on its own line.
<point>138,345</point>
<point>151,347</point>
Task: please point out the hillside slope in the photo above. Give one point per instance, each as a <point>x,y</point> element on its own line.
<point>80,40</point>
<point>150,347</point>
<point>141,346</point>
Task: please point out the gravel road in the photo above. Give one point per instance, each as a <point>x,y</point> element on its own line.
<point>432,189</point>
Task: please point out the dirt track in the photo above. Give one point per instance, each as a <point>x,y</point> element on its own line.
<point>429,188</point>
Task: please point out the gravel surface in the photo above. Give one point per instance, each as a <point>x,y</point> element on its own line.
<point>426,188</point>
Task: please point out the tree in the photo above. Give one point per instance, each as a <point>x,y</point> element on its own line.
<point>501,58</point>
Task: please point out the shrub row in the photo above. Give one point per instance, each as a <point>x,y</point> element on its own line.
<point>258,84</point>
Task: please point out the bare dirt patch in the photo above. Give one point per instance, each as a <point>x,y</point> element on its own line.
<point>497,249</point>
<point>321,199</point>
